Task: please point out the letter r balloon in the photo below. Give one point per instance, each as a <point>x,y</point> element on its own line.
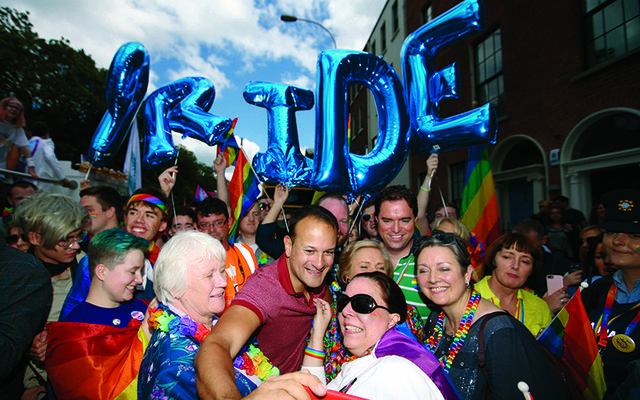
<point>425,87</point>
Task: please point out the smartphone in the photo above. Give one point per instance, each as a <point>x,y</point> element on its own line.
<point>554,283</point>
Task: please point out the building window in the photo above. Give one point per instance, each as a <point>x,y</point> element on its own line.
<point>457,174</point>
<point>373,48</point>
<point>383,36</point>
<point>489,85</point>
<point>612,28</point>
<point>395,18</point>
<point>426,14</point>
<point>360,115</point>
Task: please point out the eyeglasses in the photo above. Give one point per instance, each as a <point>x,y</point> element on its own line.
<point>367,217</point>
<point>216,224</point>
<point>68,242</point>
<point>360,303</point>
<point>13,239</point>
<point>264,206</point>
<point>14,107</point>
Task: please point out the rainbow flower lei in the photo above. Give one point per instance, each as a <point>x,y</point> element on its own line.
<point>254,362</point>
<point>164,320</point>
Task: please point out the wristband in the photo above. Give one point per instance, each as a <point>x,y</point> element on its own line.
<point>314,353</point>
<point>30,162</point>
<point>426,190</point>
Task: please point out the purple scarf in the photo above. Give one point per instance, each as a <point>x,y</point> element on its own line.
<point>394,343</point>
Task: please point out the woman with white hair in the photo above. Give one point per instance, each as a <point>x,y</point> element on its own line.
<point>189,283</point>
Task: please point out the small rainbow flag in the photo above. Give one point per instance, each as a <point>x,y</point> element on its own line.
<point>570,337</point>
<point>202,194</point>
<point>479,203</point>
<point>243,191</point>
<point>230,148</point>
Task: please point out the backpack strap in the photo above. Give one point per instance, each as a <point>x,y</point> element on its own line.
<point>481,356</point>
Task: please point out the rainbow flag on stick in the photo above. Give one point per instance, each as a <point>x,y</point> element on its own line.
<point>479,203</point>
<point>230,148</point>
<point>243,191</point>
<point>570,337</point>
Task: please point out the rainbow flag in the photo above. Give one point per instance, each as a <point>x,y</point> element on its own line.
<point>479,203</point>
<point>202,194</point>
<point>94,361</point>
<point>243,191</point>
<point>570,337</point>
<point>230,148</point>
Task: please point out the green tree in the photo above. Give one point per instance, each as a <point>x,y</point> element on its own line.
<point>56,84</point>
<point>191,173</point>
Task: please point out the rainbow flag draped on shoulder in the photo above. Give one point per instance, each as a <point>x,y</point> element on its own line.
<point>92,361</point>
<point>570,337</point>
<point>479,203</point>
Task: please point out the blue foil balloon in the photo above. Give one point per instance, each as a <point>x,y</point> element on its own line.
<point>180,106</point>
<point>425,87</point>
<point>283,161</point>
<point>335,168</point>
<point>127,82</point>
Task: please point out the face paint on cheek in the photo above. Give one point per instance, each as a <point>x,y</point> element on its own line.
<point>93,216</point>
<point>638,247</point>
<point>372,317</point>
<point>153,230</point>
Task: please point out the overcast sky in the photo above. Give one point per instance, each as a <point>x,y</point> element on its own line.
<point>229,42</point>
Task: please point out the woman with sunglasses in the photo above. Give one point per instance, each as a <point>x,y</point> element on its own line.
<point>17,239</point>
<point>384,363</point>
<point>359,257</point>
<point>485,351</point>
<point>11,132</point>
<point>511,262</point>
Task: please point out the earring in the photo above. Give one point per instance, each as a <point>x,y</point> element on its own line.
<point>469,285</point>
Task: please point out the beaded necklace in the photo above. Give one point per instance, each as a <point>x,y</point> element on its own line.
<point>461,332</point>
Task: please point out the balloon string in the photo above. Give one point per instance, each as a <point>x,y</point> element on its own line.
<point>356,219</point>
<point>89,170</point>
<point>442,198</point>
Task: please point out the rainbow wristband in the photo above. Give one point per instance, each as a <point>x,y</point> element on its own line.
<point>424,189</point>
<point>314,353</point>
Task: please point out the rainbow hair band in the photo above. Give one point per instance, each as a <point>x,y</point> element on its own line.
<point>149,199</point>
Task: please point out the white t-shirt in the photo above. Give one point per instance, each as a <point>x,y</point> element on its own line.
<point>389,377</point>
<point>9,135</point>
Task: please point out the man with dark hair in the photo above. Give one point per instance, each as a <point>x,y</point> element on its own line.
<point>44,157</point>
<point>571,216</point>
<point>105,206</point>
<point>213,218</point>
<point>396,212</point>
<point>276,304</point>
<point>18,191</point>
<point>185,220</point>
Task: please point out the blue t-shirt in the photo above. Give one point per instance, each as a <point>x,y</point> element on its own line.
<point>118,317</point>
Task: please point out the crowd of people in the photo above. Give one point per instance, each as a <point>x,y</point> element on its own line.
<point>106,297</point>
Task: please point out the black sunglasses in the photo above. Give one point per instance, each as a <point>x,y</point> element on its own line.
<point>367,217</point>
<point>264,206</point>
<point>361,303</point>
<point>13,239</point>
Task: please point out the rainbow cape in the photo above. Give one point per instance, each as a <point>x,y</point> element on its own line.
<point>94,361</point>
<point>479,203</point>
<point>570,337</point>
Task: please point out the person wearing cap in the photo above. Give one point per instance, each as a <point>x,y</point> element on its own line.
<point>613,302</point>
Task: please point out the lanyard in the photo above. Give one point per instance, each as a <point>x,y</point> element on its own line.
<point>602,326</point>
<point>404,269</point>
<point>519,310</point>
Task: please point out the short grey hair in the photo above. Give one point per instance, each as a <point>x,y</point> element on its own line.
<point>52,216</point>
<point>179,254</point>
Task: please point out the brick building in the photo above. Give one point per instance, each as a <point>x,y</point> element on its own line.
<point>564,77</point>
